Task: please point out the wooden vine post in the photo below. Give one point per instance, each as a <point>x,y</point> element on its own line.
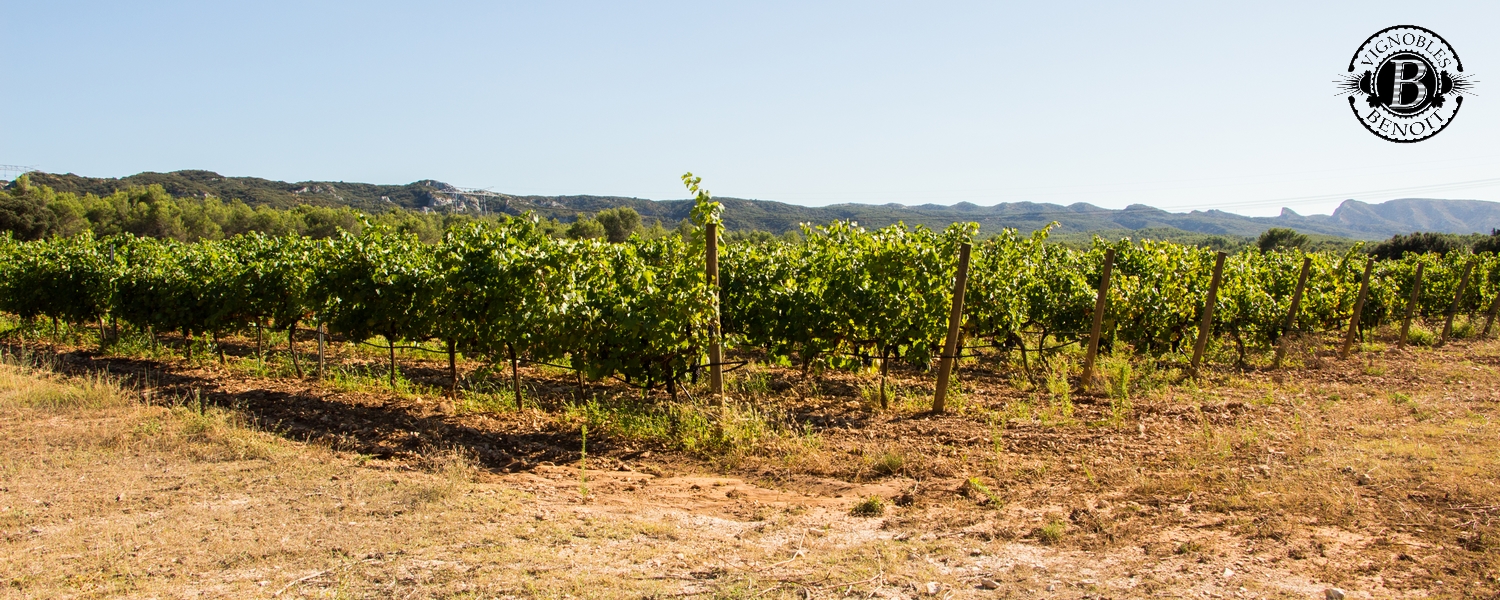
<point>1291,314</point>
<point>321,333</point>
<point>1100,302</point>
<point>291,346</point>
<point>1411,305</point>
<point>1359,307</point>
<point>392,342</point>
<point>1206,325</point>
<point>955,330</point>
<point>1463,282</point>
<point>452,369</point>
<point>715,345</point>
<point>1490,318</point>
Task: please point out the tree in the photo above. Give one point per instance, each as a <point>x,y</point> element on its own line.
<point>1416,243</point>
<point>1489,244</point>
<point>1280,238</point>
<point>585,228</point>
<point>619,223</point>
<point>323,222</point>
<point>25,216</point>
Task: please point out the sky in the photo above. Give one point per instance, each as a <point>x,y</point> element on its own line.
<point>1190,105</point>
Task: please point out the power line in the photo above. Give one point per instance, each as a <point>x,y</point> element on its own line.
<point>10,172</point>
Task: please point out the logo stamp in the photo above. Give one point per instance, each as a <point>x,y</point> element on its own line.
<point>1405,84</point>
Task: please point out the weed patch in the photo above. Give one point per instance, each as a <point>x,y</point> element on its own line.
<point>872,506</point>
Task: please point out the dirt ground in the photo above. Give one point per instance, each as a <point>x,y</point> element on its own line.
<point>1376,475</point>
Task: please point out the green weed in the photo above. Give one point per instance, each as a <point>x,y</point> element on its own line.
<point>1420,335</point>
<point>872,506</point>
<point>1117,371</point>
<point>749,383</point>
<point>1018,410</point>
<point>1060,404</point>
<point>699,428</point>
<point>1463,328</point>
<point>979,486</point>
<point>887,464</point>
<point>472,402</point>
<point>1050,533</point>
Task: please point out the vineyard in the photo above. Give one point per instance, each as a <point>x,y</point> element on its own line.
<point>643,311</point>
<point>198,433</point>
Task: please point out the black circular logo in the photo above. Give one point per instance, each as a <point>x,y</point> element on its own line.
<point>1405,83</point>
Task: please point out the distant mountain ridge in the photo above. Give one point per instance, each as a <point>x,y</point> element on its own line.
<point>1352,219</point>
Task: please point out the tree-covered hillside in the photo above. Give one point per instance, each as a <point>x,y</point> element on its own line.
<point>1353,219</point>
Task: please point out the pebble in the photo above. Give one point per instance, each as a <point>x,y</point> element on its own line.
<point>1333,594</point>
<point>989,584</point>
<point>1228,573</point>
<point>933,588</point>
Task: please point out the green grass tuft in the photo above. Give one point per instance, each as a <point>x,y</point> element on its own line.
<point>872,506</point>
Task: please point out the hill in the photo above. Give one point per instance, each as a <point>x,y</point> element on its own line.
<point>1352,219</point>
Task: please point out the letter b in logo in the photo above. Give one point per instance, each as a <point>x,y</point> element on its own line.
<point>1405,82</point>
<point>1401,82</point>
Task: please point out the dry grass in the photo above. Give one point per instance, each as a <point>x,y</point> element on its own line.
<point>106,496</point>
<point>1379,474</point>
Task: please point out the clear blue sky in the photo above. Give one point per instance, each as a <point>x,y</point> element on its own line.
<point>1177,105</point>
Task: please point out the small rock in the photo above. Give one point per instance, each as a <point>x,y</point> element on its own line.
<point>1333,594</point>
<point>932,588</point>
<point>1051,587</point>
<point>975,552</point>
<point>989,584</point>
<point>1364,479</point>
<point>1228,573</point>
